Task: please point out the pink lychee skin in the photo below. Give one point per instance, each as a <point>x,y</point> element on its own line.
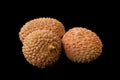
<point>81,45</point>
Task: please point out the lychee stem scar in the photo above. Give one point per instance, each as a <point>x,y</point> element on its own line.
<point>51,47</point>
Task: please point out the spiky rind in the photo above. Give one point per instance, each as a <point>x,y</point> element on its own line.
<point>37,48</point>
<point>42,23</point>
<point>81,45</point>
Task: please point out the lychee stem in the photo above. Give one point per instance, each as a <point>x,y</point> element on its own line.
<point>51,47</point>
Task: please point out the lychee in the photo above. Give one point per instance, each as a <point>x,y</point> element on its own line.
<point>42,48</point>
<point>42,23</point>
<point>81,45</point>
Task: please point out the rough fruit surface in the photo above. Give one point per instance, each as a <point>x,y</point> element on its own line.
<point>42,48</point>
<point>81,45</point>
<point>42,23</point>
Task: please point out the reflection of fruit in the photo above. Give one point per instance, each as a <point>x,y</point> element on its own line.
<point>42,48</point>
<point>42,23</point>
<point>81,45</point>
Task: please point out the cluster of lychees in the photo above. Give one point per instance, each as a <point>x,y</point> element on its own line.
<point>43,39</point>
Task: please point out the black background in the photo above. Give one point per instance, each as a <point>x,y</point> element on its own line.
<point>97,20</point>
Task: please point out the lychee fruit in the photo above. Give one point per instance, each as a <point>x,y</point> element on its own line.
<point>42,23</point>
<point>42,48</point>
<point>81,45</point>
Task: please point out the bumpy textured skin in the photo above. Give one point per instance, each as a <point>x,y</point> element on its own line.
<point>36,48</point>
<point>42,23</point>
<point>81,45</point>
